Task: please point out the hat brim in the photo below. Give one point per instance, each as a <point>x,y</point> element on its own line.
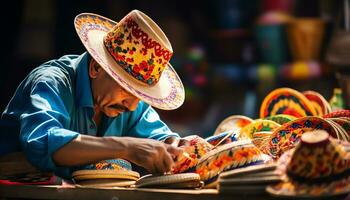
<point>292,189</point>
<point>158,180</point>
<point>167,94</point>
<point>103,174</point>
<point>232,122</point>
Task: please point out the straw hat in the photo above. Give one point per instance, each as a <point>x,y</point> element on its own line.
<point>106,173</point>
<point>134,52</point>
<point>175,181</point>
<point>318,167</point>
<point>229,156</point>
<point>232,122</point>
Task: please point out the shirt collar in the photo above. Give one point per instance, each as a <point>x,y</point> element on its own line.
<point>83,85</point>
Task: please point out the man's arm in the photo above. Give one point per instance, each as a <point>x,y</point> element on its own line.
<point>50,146</point>
<point>41,104</point>
<point>155,156</point>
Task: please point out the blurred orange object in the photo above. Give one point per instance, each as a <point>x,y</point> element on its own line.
<point>305,36</point>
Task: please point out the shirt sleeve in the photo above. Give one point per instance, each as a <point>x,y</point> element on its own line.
<point>145,123</point>
<point>43,116</point>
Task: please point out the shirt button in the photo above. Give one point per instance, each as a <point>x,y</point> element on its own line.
<point>92,126</point>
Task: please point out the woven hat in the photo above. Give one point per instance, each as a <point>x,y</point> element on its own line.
<point>320,104</point>
<point>258,126</point>
<point>198,147</point>
<point>288,135</point>
<point>229,156</point>
<point>232,122</point>
<point>106,173</point>
<point>281,118</point>
<point>183,180</point>
<point>136,53</point>
<point>286,101</point>
<point>338,113</point>
<point>319,166</point>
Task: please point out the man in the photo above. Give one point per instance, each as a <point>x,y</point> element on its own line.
<point>78,110</point>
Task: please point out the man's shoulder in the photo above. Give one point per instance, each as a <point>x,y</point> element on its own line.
<point>65,62</point>
<point>62,68</point>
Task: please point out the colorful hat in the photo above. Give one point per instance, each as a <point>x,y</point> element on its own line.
<point>107,173</point>
<point>232,122</point>
<point>288,135</point>
<point>320,104</point>
<point>338,113</point>
<point>258,126</point>
<point>227,157</point>
<point>174,181</point>
<point>197,148</point>
<point>319,166</point>
<point>286,101</point>
<point>262,140</point>
<point>281,118</point>
<point>136,53</point>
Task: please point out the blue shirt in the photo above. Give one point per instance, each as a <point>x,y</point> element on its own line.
<point>54,104</point>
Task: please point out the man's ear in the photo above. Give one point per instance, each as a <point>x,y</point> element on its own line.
<point>94,69</point>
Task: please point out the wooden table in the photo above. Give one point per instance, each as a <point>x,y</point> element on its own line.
<point>63,193</point>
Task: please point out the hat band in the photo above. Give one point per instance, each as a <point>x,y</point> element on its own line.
<point>320,180</point>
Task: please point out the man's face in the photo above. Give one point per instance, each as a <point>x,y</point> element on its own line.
<point>109,97</point>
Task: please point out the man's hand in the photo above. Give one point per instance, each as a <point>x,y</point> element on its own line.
<point>153,155</point>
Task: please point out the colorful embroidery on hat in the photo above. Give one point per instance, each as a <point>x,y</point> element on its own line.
<point>136,52</point>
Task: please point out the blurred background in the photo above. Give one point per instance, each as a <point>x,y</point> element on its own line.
<point>229,53</point>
